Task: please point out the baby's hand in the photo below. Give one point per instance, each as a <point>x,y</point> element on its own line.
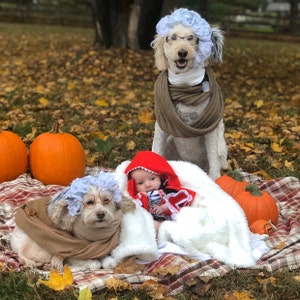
<point>160,209</point>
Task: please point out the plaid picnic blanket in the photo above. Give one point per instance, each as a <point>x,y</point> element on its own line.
<point>284,243</point>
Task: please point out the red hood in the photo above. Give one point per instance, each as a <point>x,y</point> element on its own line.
<point>155,163</point>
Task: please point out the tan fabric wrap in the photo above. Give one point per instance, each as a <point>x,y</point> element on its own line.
<point>166,95</point>
<point>33,219</point>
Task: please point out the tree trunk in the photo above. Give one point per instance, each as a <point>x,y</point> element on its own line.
<point>125,23</point>
<point>294,27</point>
<point>133,24</point>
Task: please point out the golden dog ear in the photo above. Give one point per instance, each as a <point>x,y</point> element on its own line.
<point>159,55</point>
<point>217,48</point>
<point>60,216</point>
<point>126,205</point>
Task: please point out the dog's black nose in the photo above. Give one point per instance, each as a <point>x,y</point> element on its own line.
<point>182,53</point>
<point>100,215</point>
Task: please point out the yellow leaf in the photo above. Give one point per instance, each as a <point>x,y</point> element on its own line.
<point>39,89</point>
<point>250,145</point>
<point>296,278</point>
<point>276,148</point>
<point>146,117</point>
<point>245,148</point>
<point>280,245</point>
<point>117,284</point>
<point>235,135</point>
<point>259,103</point>
<point>3,267</point>
<point>130,95</point>
<point>130,146</point>
<point>163,271</point>
<point>43,101</point>
<point>289,165</point>
<point>263,174</point>
<point>129,266</point>
<point>276,164</point>
<point>85,294</point>
<point>57,281</point>
<point>153,289</point>
<point>101,103</point>
<point>30,136</point>
<point>296,128</point>
<point>71,85</point>
<point>264,281</point>
<point>244,295</point>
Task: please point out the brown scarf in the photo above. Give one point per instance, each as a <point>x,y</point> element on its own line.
<point>166,95</point>
<point>33,219</point>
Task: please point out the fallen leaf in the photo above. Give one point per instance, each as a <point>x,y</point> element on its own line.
<point>296,278</point>
<point>164,271</point>
<point>264,281</point>
<point>280,245</point>
<point>146,117</point>
<point>130,145</point>
<point>129,266</point>
<point>43,101</point>
<point>85,294</point>
<point>57,281</point>
<point>259,103</point>
<point>276,147</point>
<point>153,289</point>
<point>101,103</point>
<point>117,284</point>
<point>244,295</point>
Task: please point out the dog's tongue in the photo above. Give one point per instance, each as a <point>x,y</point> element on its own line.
<point>181,63</point>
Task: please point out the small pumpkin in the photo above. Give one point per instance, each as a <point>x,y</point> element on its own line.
<point>13,156</point>
<point>262,227</point>
<point>232,183</point>
<point>257,205</point>
<point>56,157</point>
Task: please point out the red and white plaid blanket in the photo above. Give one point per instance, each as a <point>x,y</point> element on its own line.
<point>284,243</point>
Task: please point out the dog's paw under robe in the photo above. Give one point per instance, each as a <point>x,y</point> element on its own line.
<point>214,225</point>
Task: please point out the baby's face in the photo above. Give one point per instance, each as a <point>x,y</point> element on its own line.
<point>145,181</point>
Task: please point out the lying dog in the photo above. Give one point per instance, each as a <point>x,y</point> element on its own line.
<point>188,99</point>
<point>80,224</point>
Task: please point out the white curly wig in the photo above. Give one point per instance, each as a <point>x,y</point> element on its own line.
<point>210,38</point>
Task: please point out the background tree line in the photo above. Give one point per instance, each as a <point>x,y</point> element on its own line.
<point>131,23</point>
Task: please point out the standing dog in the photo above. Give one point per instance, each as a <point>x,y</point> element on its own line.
<point>188,100</point>
<point>82,224</point>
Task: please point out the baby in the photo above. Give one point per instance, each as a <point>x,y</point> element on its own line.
<point>154,183</point>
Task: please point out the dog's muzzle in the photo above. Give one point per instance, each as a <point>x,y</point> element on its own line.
<point>100,215</point>
<point>182,61</point>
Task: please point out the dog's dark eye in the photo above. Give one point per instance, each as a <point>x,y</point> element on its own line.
<point>89,202</point>
<point>106,201</point>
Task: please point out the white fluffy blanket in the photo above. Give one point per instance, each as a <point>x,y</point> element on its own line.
<point>214,225</point>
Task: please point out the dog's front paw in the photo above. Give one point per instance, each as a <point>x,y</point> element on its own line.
<point>57,263</point>
<point>78,265</point>
<point>109,262</point>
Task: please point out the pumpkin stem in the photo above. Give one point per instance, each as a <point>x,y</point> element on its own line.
<point>236,175</point>
<point>269,230</point>
<point>253,190</point>
<point>57,127</point>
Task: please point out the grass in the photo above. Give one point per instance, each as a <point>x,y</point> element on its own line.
<point>105,97</point>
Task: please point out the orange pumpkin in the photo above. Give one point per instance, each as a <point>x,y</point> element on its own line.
<point>262,227</point>
<point>56,157</point>
<point>13,156</point>
<point>232,183</point>
<point>257,205</point>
